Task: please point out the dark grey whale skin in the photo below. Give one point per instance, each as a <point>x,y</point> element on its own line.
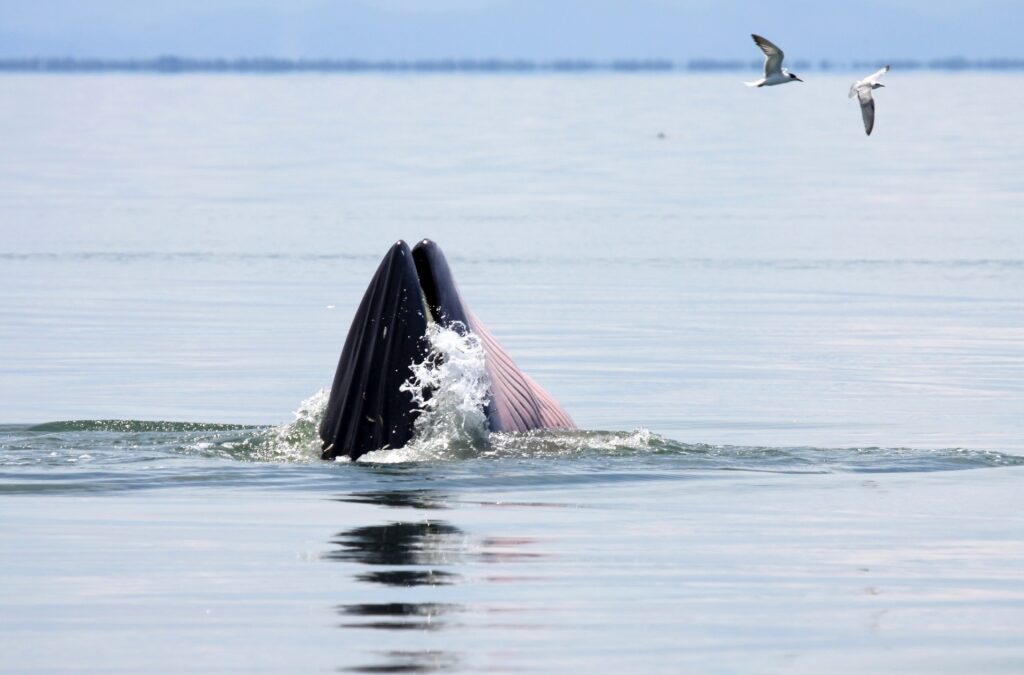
<point>366,410</point>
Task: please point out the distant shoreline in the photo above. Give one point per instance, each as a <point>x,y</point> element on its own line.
<point>175,64</point>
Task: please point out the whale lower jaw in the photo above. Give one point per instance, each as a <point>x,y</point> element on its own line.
<point>368,409</point>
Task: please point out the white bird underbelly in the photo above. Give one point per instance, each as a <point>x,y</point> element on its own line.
<point>770,81</point>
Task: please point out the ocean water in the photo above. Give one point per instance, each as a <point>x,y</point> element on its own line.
<point>795,355</point>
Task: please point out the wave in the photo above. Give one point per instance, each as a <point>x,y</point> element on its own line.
<point>131,441</point>
<point>451,443</point>
<point>133,426</point>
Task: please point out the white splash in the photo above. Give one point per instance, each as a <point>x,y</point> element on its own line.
<point>451,389</point>
<point>298,440</point>
<point>573,442</point>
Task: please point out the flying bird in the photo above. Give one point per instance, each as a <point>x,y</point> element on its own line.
<point>862,88</point>
<point>774,73</point>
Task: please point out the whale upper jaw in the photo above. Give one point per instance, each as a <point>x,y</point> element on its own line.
<point>367,409</point>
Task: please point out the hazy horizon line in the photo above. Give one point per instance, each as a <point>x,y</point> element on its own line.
<point>257,64</point>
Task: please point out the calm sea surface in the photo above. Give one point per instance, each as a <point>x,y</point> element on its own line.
<point>795,354</point>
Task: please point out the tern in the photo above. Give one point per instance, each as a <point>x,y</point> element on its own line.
<point>774,73</point>
<point>862,88</point>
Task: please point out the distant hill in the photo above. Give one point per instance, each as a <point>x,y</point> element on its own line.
<point>174,64</point>
<point>544,31</point>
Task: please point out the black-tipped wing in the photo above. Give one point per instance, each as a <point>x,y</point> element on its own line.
<point>875,77</point>
<point>867,107</point>
<point>772,55</point>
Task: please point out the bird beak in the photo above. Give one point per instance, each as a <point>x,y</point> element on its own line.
<point>797,78</point>
<point>881,85</point>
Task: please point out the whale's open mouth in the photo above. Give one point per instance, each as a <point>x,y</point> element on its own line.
<point>368,409</point>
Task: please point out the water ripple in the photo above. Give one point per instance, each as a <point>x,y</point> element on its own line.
<point>116,455</point>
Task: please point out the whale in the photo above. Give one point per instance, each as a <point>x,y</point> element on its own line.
<point>367,409</point>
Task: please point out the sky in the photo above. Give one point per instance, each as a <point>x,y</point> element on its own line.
<point>531,29</point>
